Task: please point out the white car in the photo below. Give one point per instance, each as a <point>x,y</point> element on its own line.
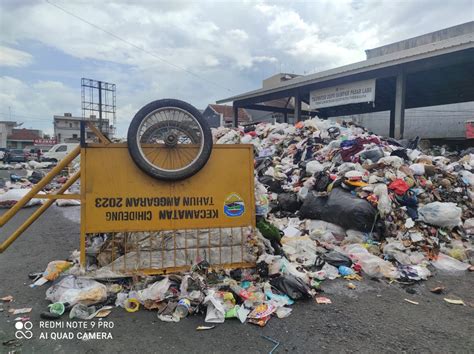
<point>58,152</point>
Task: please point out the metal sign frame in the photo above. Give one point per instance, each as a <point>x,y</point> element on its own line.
<point>117,154</point>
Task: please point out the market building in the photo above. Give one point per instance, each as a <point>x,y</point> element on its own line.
<point>433,69</point>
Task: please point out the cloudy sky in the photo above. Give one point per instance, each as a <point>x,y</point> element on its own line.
<point>198,51</point>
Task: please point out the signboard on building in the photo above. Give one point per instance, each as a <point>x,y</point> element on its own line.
<point>51,142</point>
<point>354,92</point>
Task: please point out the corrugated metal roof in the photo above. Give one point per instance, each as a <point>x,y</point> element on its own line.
<point>422,52</point>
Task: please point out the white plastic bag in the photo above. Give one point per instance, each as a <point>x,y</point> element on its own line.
<point>372,265</point>
<point>8,199</point>
<point>449,264</point>
<point>155,291</point>
<point>441,214</point>
<point>313,166</point>
<point>77,290</point>
<point>418,169</point>
<point>215,309</point>
<point>384,205</point>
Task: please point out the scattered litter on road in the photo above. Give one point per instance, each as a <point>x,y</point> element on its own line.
<point>204,328</point>
<point>454,301</point>
<point>437,290</point>
<point>7,298</point>
<point>20,311</point>
<point>323,300</point>
<point>132,305</point>
<point>274,342</point>
<point>412,302</point>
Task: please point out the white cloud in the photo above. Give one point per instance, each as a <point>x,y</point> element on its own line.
<point>14,57</point>
<point>35,104</point>
<point>225,44</point>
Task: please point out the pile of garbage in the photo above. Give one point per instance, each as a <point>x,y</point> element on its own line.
<point>30,165</point>
<point>392,208</point>
<point>333,201</point>
<point>16,186</point>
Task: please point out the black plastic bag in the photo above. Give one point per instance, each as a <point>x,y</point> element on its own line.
<point>337,259</point>
<point>36,176</point>
<point>294,287</point>
<point>272,184</point>
<point>288,202</point>
<point>322,181</point>
<point>340,208</point>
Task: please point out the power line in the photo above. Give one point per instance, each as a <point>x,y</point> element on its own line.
<point>138,47</point>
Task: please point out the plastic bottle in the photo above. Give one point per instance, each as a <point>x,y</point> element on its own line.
<point>182,309</point>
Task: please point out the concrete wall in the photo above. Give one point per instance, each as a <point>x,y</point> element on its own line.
<point>447,121</point>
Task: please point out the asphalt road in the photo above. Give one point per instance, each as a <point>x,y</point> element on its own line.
<point>372,318</point>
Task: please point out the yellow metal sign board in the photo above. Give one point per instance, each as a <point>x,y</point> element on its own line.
<point>117,196</point>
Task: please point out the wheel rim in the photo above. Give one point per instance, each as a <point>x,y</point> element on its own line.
<point>170,139</point>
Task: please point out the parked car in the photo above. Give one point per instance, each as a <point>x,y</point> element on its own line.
<point>58,152</point>
<point>15,155</point>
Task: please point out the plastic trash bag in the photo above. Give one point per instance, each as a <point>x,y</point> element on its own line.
<point>288,202</point>
<point>283,312</point>
<point>155,292</point>
<point>329,272</point>
<point>441,214</point>
<point>341,208</point>
<point>82,312</point>
<point>384,205</point>
<point>337,259</point>
<point>67,202</point>
<point>262,204</point>
<point>215,309</point>
<point>294,287</point>
<point>372,265</point>
<point>449,264</point>
<point>77,290</point>
<point>373,155</point>
<point>272,184</point>
<point>55,268</point>
<point>319,227</point>
<point>313,166</point>
<point>417,169</point>
<point>11,197</point>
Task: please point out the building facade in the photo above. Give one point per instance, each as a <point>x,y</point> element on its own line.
<point>23,138</point>
<point>67,129</point>
<point>6,129</point>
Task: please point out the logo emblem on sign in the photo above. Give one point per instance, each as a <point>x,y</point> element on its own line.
<point>234,205</point>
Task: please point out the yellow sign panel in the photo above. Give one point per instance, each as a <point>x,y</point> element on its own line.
<point>118,196</point>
